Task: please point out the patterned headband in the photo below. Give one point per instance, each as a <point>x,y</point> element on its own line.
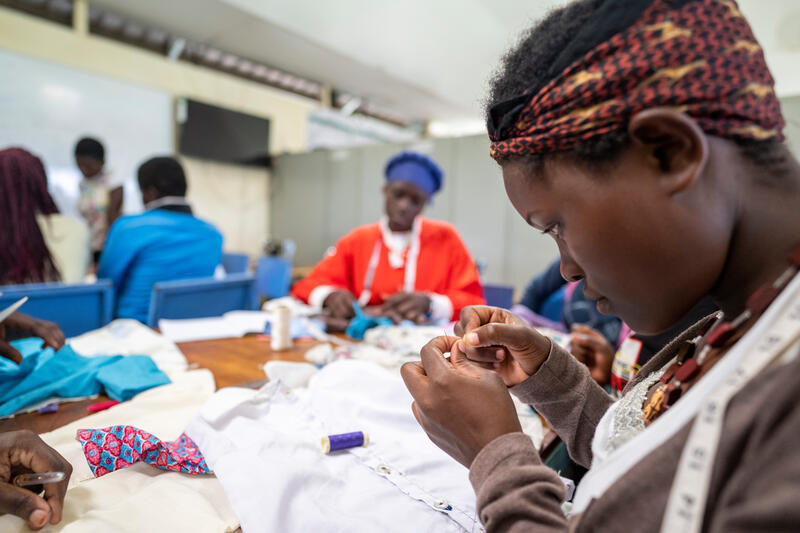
<point>701,59</point>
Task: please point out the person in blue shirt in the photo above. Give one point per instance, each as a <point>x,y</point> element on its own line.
<point>166,242</point>
<point>574,308</point>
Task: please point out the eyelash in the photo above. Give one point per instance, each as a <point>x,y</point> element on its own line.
<point>554,230</point>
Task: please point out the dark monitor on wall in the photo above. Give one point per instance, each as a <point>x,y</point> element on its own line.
<point>211,132</point>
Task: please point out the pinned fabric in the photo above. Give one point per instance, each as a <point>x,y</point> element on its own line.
<point>116,447</point>
<point>696,56</point>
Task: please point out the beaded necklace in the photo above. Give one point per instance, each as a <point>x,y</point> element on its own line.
<point>692,354</point>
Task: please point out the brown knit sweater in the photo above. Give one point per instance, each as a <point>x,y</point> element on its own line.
<point>755,485</point>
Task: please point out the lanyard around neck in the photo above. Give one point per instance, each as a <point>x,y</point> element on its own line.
<point>410,274</point>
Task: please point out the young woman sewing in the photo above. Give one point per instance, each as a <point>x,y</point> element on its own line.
<point>645,137</point>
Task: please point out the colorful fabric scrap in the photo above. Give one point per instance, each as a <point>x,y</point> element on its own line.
<point>116,447</point>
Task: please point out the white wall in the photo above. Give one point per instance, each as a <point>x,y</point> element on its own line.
<point>45,108</point>
<point>38,38</point>
<point>59,84</point>
<point>791,112</point>
<point>234,199</point>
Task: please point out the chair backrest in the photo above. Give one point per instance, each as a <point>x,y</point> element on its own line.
<point>499,295</point>
<point>235,263</point>
<point>274,275</point>
<point>199,298</point>
<point>75,308</point>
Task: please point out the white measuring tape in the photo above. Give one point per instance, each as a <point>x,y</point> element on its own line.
<point>687,499</point>
<point>410,273</point>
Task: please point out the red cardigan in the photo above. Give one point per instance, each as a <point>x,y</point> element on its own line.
<point>444,266</point>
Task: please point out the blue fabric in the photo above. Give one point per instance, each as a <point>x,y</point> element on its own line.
<point>43,374</point>
<point>361,323</point>
<point>125,378</point>
<point>155,246</point>
<point>415,168</point>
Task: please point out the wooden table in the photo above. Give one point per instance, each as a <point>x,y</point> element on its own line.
<point>237,361</point>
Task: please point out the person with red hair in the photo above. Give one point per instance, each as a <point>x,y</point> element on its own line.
<point>38,243</point>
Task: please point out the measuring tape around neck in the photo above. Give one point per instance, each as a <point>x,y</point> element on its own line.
<point>410,274</point>
<point>687,499</point>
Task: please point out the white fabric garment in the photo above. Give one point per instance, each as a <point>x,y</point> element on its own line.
<point>140,497</point>
<point>392,346</point>
<point>265,449</point>
<point>291,374</point>
<point>388,346</point>
<point>67,239</point>
<point>231,324</point>
<point>126,336</point>
<point>297,307</point>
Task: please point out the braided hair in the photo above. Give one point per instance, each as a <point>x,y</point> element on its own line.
<point>24,257</point>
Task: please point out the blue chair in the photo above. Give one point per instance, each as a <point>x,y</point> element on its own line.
<point>235,263</point>
<point>199,298</point>
<point>75,308</point>
<point>274,275</point>
<point>499,295</point>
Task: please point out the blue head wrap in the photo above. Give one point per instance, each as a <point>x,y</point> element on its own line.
<point>415,168</point>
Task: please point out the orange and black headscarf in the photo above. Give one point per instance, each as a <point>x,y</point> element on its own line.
<point>697,56</point>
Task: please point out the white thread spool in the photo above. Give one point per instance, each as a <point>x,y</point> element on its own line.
<point>281,338</point>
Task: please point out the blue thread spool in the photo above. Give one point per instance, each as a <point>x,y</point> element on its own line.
<point>343,441</point>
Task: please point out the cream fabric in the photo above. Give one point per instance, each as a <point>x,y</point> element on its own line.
<point>126,336</point>
<point>68,241</point>
<point>141,497</point>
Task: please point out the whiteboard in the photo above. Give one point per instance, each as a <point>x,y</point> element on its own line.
<point>45,108</point>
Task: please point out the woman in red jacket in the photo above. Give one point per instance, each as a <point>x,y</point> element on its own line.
<point>405,267</point>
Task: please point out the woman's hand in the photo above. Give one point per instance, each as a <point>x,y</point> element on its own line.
<point>462,407</point>
<point>339,304</point>
<point>593,350</point>
<point>6,350</point>
<point>413,306</point>
<point>48,331</point>
<point>21,452</point>
<point>498,339</point>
